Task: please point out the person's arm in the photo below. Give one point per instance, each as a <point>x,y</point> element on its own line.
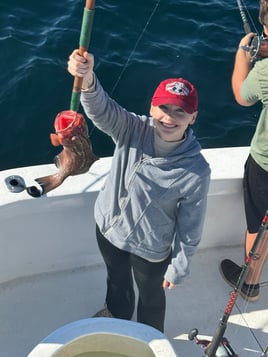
<point>106,114</point>
<point>242,67</point>
<point>190,222</point>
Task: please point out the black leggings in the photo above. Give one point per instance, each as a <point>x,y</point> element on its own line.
<point>120,298</point>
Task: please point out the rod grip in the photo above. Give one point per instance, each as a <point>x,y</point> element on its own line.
<point>84,40</point>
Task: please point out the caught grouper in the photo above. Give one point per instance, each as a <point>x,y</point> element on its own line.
<point>76,157</point>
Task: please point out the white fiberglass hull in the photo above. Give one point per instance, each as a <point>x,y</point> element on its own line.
<point>51,272</point>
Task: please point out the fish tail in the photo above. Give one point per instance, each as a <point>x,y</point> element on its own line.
<point>48,183</point>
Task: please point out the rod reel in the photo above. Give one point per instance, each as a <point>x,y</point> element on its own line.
<point>254,48</point>
<point>224,349</point>
<point>258,48</point>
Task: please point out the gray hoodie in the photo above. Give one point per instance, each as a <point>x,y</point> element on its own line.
<point>149,205</point>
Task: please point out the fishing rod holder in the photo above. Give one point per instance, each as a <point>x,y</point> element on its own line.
<point>16,184</point>
<point>224,349</point>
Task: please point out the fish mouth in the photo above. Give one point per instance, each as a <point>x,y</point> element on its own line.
<point>67,122</point>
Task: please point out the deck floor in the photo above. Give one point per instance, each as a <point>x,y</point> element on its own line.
<point>32,308</point>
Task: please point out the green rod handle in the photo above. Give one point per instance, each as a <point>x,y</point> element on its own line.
<point>85,36</point>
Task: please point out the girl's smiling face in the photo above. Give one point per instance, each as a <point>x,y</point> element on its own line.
<point>171,121</point>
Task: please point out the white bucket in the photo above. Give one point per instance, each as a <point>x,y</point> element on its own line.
<point>104,337</point>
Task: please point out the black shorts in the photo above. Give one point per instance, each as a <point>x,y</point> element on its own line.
<point>255,185</point>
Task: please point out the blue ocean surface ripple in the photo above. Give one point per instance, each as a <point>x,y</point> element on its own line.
<point>136,45</point>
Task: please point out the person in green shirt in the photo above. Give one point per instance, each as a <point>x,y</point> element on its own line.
<point>250,85</point>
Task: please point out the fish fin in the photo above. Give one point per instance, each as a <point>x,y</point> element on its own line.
<point>55,140</point>
<point>48,183</point>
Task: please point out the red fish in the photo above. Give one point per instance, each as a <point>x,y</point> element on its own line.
<point>76,156</point>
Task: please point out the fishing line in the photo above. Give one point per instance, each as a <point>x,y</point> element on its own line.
<point>244,310</point>
<point>240,318</point>
<point>250,329</point>
<point>132,52</point>
<point>251,20</point>
<point>243,8</point>
<point>135,46</point>
<point>264,283</point>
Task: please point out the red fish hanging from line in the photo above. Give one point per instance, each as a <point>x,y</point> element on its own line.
<point>77,155</point>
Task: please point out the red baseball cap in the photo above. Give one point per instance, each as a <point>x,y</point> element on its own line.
<point>176,91</point>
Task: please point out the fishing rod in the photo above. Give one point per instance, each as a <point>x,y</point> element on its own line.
<point>85,37</point>
<point>255,43</point>
<point>246,25</point>
<point>219,346</point>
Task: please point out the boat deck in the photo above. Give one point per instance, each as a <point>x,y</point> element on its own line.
<point>33,307</point>
<point>51,271</point>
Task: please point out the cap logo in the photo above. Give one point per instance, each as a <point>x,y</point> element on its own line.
<point>177,88</point>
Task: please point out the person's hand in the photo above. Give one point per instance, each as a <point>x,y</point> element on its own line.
<point>81,66</point>
<point>246,40</point>
<point>167,284</point>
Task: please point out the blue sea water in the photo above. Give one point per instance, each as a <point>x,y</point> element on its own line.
<point>136,44</point>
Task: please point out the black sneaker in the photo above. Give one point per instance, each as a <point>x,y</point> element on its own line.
<point>231,272</point>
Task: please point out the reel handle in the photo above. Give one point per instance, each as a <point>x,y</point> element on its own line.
<point>223,350</point>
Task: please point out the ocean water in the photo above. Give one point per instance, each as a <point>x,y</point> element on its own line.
<point>136,44</point>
